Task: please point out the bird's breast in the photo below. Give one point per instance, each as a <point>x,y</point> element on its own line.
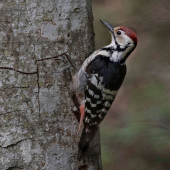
<point>111,73</point>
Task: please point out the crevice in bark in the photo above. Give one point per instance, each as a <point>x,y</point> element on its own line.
<point>14,168</point>
<point>15,87</point>
<point>38,85</point>
<point>14,144</point>
<point>13,69</point>
<point>49,58</point>
<point>8,112</point>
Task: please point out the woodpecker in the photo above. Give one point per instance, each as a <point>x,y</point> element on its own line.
<point>97,82</point>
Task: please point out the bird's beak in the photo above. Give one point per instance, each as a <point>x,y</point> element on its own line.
<point>108,26</point>
<point>111,30</point>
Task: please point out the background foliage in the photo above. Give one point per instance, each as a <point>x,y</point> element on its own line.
<point>136,133</point>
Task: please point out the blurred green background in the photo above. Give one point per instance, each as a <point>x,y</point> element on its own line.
<point>135,135</point>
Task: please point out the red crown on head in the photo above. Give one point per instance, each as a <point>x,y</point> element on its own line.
<point>130,33</point>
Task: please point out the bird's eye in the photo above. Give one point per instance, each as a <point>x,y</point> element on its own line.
<point>119,33</point>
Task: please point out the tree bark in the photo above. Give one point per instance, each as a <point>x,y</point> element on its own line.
<point>37,128</point>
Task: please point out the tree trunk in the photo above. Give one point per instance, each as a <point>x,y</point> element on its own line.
<point>37,128</point>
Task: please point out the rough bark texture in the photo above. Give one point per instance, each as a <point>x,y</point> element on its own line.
<point>37,128</point>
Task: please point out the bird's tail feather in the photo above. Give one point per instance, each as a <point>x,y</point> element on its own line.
<point>86,137</point>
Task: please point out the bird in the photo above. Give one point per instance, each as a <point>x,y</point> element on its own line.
<point>98,80</point>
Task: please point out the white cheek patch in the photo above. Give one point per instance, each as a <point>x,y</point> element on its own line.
<point>123,40</point>
<point>126,43</point>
